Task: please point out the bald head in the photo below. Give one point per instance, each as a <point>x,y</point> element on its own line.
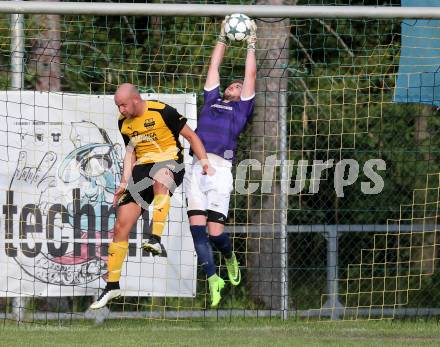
<point>126,90</point>
<point>128,100</point>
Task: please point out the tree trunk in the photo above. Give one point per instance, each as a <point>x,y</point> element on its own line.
<point>45,57</point>
<point>263,259</point>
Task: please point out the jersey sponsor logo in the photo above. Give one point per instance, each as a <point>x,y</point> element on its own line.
<point>223,107</point>
<point>137,139</point>
<point>151,137</point>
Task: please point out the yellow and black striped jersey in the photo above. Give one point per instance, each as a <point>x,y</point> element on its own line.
<point>154,134</point>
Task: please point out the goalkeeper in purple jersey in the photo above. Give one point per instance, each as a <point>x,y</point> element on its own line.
<point>219,125</point>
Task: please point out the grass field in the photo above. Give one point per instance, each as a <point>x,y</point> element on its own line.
<point>250,332</point>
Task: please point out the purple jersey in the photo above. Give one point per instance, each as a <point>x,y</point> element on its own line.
<point>220,123</point>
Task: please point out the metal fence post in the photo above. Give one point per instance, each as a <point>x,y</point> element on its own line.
<point>17,56</point>
<point>17,50</point>
<point>332,305</point>
<point>283,206</point>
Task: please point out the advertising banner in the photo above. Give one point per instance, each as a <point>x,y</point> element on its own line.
<point>61,157</point>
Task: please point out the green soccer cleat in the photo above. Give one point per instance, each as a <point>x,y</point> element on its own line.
<point>234,272</point>
<point>216,284</point>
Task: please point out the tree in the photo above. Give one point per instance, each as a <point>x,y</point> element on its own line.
<point>264,248</point>
<point>45,57</point>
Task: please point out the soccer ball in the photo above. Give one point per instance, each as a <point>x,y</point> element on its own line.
<point>238,27</point>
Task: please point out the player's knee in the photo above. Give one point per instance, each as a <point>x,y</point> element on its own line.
<point>121,230</point>
<point>160,187</point>
<point>197,217</point>
<point>216,217</point>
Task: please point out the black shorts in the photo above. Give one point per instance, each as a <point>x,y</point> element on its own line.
<point>146,172</point>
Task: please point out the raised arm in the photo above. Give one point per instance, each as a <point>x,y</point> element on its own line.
<point>213,78</point>
<point>250,74</point>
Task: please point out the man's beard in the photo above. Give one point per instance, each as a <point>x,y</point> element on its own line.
<point>228,97</point>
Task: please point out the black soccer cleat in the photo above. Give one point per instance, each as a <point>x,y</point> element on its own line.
<point>153,246</point>
<point>107,295</point>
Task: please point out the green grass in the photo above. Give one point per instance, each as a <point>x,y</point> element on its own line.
<point>239,332</point>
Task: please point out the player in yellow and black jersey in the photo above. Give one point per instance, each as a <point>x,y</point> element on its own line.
<point>154,134</point>
<point>153,168</point>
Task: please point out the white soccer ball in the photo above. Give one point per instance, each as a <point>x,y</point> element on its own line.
<point>238,27</point>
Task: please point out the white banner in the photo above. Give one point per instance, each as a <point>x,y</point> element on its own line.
<point>61,159</point>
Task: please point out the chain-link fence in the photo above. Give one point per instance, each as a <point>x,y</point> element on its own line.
<point>334,211</point>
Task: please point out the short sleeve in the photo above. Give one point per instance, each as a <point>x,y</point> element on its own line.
<point>211,95</point>
<point>124,137</point>
<point>246,106</point>
<point>173,119</point>
<point>244,109</point>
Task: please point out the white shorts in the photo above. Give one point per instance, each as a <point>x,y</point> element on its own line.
<point>209,193</point>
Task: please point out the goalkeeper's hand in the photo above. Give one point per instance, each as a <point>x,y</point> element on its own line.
<point>222,36</point>
<point>252,39</point>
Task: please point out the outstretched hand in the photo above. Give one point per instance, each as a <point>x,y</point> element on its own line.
<point>222,35</point>
<point>252,39</point>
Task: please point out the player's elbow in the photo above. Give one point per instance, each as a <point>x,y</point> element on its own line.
<point>190,136</point>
